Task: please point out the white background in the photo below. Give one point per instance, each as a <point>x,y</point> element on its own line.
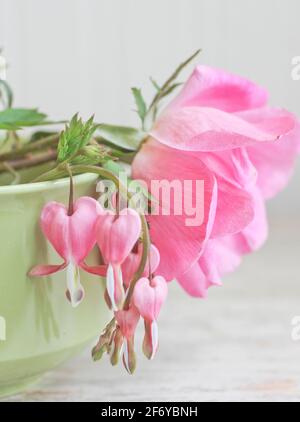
<point>84,55</point>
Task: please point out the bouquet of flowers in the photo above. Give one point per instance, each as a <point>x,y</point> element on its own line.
<point>182,197</point>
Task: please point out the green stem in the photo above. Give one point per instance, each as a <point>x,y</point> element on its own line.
<point>28,162</point>
<point>71,194</point>
<point>13,172</point>
<point>160,94</point>
<point>53,174</point>
<point>47,142</point>
<point>141,268</point>
<point>146,237</point>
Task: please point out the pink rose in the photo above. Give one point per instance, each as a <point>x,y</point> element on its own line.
<point>218,129</point>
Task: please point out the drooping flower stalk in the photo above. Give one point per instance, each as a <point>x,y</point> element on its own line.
<point>112,334</point>
<point>71,193</point>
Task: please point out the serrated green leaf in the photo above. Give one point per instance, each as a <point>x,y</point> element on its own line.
<point>75,136</point>
<point>122,136</point>
<point>140,103</point>
<point>16,118</point>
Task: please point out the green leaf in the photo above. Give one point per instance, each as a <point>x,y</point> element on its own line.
<point>16,118</point>
<point>75,136</point>
<point>8,94</point>
<point>155,84</point>
<point>171,89</point>
<point>124,137</point>
<point>177,71</point>
<point>40,134</point>
<point>169,85</point>
<point>140,103</point>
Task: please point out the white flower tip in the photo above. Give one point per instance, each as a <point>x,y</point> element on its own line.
<point>126,356</point>
<point>75,292</point>
<point>110,287</point>
<point>76,297</point>
<point>154,338</point>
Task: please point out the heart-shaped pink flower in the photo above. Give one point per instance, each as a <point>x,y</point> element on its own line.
<point>148,298</point>
<point>127,321</point>
<point>73,237</point>
<point>131,263</point>
<point>116,236</point>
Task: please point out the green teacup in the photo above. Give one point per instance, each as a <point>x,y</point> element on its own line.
<point>38,327</point>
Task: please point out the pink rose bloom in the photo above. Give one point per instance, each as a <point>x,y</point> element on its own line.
<point>219,129</point>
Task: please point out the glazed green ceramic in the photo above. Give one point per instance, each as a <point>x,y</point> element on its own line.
<point>41,328</point>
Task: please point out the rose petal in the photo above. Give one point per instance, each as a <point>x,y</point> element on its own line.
<point>194,281</point>
<point>274,161</point>
<point>210,87</point>
<point>208,129</point>
<point>235,209</point>
<point>178,243</point>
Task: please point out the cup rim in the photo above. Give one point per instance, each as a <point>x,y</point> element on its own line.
<point>44,186</point>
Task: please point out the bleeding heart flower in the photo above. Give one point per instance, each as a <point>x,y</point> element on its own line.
<point>127,321</point>
<point>131,263</point>
<point>73,237</point>
<point>148,298</point>
<point>116,236</point>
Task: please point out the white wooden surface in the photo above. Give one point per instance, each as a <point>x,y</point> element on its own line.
<point>236,345</point>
